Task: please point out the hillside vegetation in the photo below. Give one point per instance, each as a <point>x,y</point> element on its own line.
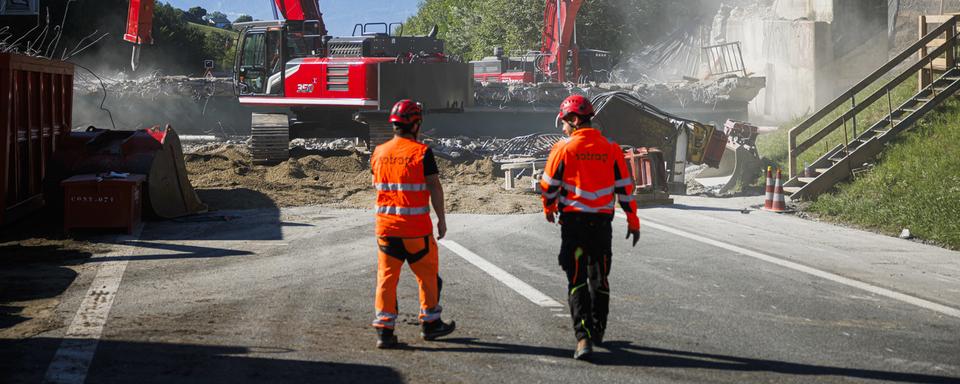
<point>179,46</point>
<point>915,185</point>
<point>472,28</point>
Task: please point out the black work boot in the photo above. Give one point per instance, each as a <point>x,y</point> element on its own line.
<point>597,336</point>
<point>385,338</point>
<point>584,350</point>
<point>434,329</point>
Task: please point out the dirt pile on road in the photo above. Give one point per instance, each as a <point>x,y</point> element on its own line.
<point>225,178</point>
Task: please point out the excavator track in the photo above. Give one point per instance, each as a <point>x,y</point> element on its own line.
<point>379,128</point>
<point>269,138</point>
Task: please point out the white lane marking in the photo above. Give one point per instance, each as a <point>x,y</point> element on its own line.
<point>926,304</point>
<point>72,360</point>
<point>524,289</point>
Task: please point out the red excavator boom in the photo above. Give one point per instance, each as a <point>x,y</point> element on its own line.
<point>559,26</point>
<point>301,10</point>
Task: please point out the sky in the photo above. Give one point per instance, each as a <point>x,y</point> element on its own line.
<point>339,15</point>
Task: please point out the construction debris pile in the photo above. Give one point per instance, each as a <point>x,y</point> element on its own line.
<point>534,146</point>
<point>682,93</point>
<point>225,178</point>
<point>153,86</point>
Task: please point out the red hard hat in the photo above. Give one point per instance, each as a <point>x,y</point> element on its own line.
<point>576,104</point>
<point>406,112</point>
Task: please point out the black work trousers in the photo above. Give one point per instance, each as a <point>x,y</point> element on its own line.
<point>585,255</point>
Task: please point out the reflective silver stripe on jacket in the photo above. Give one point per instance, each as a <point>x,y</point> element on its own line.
<point>586,208</point>
<point>624,182</point>
<point>401,187</point>
<point>550,181</point>
<point>587,194</point>
<point>551,195</point>
<point>403,210</point>
<point>625,198</point>
<point>431,314</point>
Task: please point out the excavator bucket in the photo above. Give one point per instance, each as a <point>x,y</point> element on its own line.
<point>740,164</point>
<point>155,152</point>
<point>738,169</point>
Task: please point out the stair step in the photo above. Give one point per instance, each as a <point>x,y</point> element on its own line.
<point>922,100</point>
<point>908,110</point>
<point>950,78</point>
<point>806,180</point>
<point>791,190</point>
<point>821,170</point>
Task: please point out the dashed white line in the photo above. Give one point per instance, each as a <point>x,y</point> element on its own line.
<point>524,289</point>
<point>72,360</point>
<point>916,301</point>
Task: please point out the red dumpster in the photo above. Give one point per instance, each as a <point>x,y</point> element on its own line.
<point>36,99</point>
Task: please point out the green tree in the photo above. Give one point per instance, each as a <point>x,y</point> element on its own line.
<point>472,28</point>
<point>196,14</point>
<point>243,19</point>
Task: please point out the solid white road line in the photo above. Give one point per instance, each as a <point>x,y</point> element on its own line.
<point>926,304</point>
<point>524,289</point>
<point>72,360</point>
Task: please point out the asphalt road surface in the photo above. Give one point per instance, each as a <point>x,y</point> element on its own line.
<point>712,294</point>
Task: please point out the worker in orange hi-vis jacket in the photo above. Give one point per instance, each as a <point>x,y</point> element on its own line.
<point>585,176</point>
<point>407,180</point>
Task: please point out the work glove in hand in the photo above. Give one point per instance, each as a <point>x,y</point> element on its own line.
<point>635,234</point>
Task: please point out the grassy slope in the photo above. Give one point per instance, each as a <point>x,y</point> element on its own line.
<point>219,43</point>
<point>915,185</point>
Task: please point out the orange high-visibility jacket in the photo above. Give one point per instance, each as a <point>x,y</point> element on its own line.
<point>587,173</point>
<point>403,201</point>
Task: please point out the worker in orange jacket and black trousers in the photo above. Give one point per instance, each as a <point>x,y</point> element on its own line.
<point>407,180</point>
<point>585,176</point>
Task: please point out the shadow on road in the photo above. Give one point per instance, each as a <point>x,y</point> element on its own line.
<point>34,272</point>
<point>26,361</point>
<point>625,353</point>
<point>182,252</point>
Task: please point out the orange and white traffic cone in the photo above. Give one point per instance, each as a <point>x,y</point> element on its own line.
<point>768,201</point>
<point>779,200</point>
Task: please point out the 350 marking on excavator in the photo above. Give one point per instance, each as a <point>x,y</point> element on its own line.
<point>305,88</point>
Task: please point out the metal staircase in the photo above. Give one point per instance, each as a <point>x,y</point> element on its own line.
<point>861,147</point>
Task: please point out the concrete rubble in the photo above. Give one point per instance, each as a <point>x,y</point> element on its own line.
<point>153,86</point>
<point>705,92</point>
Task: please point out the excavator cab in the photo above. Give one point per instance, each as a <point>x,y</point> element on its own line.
<point>260,62</point>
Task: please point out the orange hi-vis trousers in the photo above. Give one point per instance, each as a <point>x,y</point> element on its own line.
<point>421,254</point>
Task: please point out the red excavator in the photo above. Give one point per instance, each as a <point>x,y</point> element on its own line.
<point>303,82</point>
<point>549,64</point>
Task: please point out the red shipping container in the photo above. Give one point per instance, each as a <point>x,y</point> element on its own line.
<point>95,202</point>
<point>36,106</point>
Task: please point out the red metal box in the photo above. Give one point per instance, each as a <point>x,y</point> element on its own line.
<point>95,202</point>
<point>36,101</point>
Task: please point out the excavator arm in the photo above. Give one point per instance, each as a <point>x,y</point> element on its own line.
<point>302,10</point>
<point>559,38</point>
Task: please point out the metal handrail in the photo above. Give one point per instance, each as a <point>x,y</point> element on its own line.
<point>949,27</point>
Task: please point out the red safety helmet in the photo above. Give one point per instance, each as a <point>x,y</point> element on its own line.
<point>406,112</point>
<point>575,104</point>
